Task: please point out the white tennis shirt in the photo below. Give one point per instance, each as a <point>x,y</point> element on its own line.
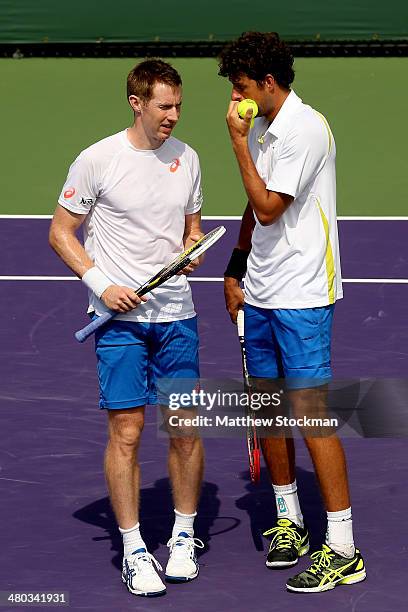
<point>295,262</point>
<point>136,202</point>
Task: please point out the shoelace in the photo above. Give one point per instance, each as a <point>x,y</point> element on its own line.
<point>178,543</point>
<point>285,536</point>
<point>141,559</point>
<point>322,559</point>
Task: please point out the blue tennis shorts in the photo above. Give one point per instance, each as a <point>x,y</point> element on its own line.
<point>132,357</point>
<point>289,343</point>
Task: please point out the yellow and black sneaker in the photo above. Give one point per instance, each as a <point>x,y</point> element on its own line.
<point>328,570</point>
<point>289,542</point>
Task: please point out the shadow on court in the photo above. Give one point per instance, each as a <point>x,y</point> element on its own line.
<point>259,503</point>
<point>156,518</point>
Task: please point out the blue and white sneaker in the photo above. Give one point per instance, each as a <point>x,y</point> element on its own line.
<point>140,576</point>
<point>182,564</point>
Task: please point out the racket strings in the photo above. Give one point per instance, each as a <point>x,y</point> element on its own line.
<point>185,258</point>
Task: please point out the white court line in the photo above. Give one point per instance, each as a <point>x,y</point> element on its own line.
<point>25,216</point>
<point>349,218</point>
<point>209,279</point>
<point>213,279</point>
<point>339,218</point>
<point>227,218</point>
<point>389,281</point>
<point>38,278</point>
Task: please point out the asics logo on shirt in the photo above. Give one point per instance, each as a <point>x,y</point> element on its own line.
<point>175,164</point>
<point>68,193</point>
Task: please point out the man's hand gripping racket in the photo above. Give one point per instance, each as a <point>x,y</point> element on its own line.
<point>181,261</point>
<point>254,454</point>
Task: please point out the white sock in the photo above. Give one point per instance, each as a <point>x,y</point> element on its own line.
<point>287,503</point>
<point>339,534</point>
<point>183,523</point>
<point>132,540</point>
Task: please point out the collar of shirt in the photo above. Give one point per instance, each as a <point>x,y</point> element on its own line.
<point>279,125</point>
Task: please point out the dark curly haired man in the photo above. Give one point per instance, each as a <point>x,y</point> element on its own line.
<point>288,248</point>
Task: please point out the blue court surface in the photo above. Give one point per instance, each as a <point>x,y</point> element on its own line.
<point>58,531</point>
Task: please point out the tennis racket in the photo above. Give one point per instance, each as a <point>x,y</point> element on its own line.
<point>254,453</point>
<point>181,261</point>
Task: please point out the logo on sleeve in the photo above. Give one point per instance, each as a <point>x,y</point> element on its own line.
<point>68,193</point>
<point>87,201</point>
<point>175,164</point>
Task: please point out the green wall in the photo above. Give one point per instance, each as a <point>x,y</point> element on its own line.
<point>143,20</point>
<point>52,108</point>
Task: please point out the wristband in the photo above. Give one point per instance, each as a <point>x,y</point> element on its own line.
<point>237,265</point>
<point>96,281</point>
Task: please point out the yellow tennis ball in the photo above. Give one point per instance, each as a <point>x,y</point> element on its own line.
<point>245,105</point>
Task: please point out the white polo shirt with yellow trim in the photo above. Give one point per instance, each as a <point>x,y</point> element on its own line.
<point>295,262</point>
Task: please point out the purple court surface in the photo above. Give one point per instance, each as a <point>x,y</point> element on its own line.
<point>57,529</point>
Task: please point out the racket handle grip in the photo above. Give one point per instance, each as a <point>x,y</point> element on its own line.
<point>82,334</point>
<point>240,323</point>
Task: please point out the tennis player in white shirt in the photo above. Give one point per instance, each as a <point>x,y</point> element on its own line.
<point>137,195</point>
<point>288,247</point>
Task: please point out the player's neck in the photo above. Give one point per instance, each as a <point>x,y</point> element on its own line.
<point>140,140</point>
<point>280,98</point>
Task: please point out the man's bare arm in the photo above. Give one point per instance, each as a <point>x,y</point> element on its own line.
<point>234,296</point>
<point>268,206</point>
<point>192,233</point>
<point>63,240</point>
<point>246,229</point>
